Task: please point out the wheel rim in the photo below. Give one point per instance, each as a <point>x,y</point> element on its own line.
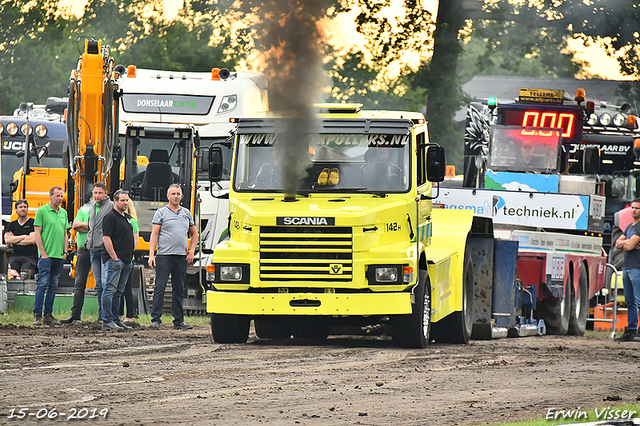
<point>467,297</point>
<point>426,314</point>
<point>563,302</point>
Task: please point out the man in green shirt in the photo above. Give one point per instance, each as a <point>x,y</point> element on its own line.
<point>51,225</point>
<point>83,264</point>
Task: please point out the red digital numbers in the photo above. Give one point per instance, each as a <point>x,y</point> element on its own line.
<point>553,120</point>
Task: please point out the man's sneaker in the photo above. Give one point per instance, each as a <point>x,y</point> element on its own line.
<point>627,336</point>
<point>48,319</point>
<point>182,326</point>
<point>37,319</point>
<point>122,325</point>
<point>155,325</point>
<point>110,326</point>
<point>70,320</point>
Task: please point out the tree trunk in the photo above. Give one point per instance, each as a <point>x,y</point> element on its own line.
<point>443,98</point>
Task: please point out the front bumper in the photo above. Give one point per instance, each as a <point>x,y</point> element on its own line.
<point>224,302</point>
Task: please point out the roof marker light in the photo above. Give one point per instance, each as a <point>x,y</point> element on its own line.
<point>131,71</point>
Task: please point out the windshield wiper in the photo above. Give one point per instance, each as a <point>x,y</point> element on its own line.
<point>365,190</point>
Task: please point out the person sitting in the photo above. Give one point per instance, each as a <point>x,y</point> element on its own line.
<point>529,161</point>
<point>20,235</point>
<point>381,170</point>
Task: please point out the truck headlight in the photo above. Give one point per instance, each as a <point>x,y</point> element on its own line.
<point>385,274</point>
<point>12,128</point>
<point>26,129</point>
<point>619,119</point>
<point>238,273</point>
<point>228,103</point>
<point>605,119</point>
<point>41,130</point>
<point>231,273</point>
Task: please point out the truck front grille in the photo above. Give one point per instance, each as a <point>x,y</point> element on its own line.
<point>305,253</point>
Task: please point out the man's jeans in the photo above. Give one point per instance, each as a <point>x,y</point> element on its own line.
<point>631,283</point>
<point>116,273</point>
<point>96,265</point>
<point>49,271</point>
<point>176,266</point>
<point>83,266</point>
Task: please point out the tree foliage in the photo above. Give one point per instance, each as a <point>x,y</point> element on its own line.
<point>39,45</point>
<point>36,52</point>
<point>614,23</point>
<point>357,80</point>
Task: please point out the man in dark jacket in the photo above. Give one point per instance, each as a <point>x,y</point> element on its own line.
<point>100,207</point>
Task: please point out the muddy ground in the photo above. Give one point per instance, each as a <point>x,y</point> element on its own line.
<point>167,377</point>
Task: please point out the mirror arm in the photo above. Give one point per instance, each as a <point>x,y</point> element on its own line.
<point>429,197</point>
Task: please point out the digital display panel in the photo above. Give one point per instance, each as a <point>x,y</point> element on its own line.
<point>537,120</point>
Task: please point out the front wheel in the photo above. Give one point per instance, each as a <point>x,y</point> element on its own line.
<point>413,330</point>
<point>230,328</point>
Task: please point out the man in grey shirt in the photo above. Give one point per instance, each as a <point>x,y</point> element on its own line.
<point>100,206</point>
<point>170,227</point>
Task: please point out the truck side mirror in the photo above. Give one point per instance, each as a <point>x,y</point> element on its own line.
<point>435,164</point>
<point>591,160</point>
<point>215,164</point>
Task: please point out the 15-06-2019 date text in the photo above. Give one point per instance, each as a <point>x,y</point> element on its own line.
<point>53,413</point>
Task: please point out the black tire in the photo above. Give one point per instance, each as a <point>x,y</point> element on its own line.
<point>457,326</point>
<point>230,328</point>
<point>414,330</point>
<point>268,328</point>
<point>556,313</point>
<point>579,307</point>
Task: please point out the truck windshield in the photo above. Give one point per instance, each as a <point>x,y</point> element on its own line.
<point>150,180</point>
<point>524,149</point>
<point>335,163</point>
<point>12,145</point>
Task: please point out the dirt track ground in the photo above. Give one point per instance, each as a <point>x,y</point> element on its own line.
<point>172,377</point>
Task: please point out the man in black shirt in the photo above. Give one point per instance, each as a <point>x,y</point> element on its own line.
<point>117,234</point>
<point>20,235</point>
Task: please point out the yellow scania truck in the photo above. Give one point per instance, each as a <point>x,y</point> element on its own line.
<point>355,245</point>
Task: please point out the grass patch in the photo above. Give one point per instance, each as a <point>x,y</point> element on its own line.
<point>572,415</point>
<point>26,318</point>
